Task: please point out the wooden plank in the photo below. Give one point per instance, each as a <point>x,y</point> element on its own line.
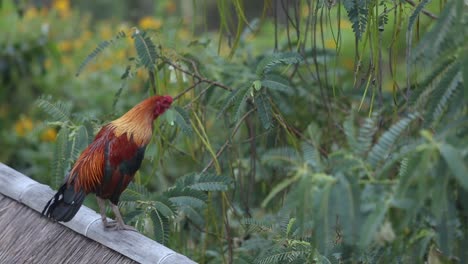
<point>87,222</point>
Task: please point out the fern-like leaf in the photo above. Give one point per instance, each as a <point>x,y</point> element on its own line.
<point>165,207</point>
<point>271,62</point>
<point>312,157</point>
<point>443,37</point>
<point>98,50</point>
<point>277,83</point>
<point>135,192</point>
<point>350,132</point>
<point>236,100</point>
<point>60,163</point>
<point>194,214</point>
<point>456,163</point>
<point>383,146</point>
<point>252,225</point>
<point>262,101</point>
<point>357,13</point>
<point>419,96</point>
<point>280,157</point>
<point>366,135</point>
<point>442,92</point>
<point>182,119</point>
<point>160,226</point>
<point>186,197</point>
<point>212,182</point>
<point>409,34</point>
<point>146,49</point>
<point>59,111</point>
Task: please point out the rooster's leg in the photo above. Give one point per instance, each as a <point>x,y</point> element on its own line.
<point>102,211</point>
<point>119,223</point>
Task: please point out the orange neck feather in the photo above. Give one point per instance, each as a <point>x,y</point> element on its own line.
<point>137,123</point>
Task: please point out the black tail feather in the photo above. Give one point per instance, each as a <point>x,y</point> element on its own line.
<point>65,204</point>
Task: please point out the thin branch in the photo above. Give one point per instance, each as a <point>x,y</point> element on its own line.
<point>196,75</point>
<point>187,90</point>
<point>224,146</point>
<point>427,13</point>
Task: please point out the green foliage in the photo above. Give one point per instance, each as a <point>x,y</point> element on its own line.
<point>99,49</point>
<point>146,49</point>
<point>264,109</point>
<point>187,200</point>
<point>357,13</point>
<point>181,118</point>
<point>383,146</point>
<point>269,63</point>
<point>71,139</point>
<point>295,147</point>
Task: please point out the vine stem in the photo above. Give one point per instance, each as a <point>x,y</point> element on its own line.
<point>187,90</point>
<point>427,13</point>
<point>197,75</point>
<point>224,146</point>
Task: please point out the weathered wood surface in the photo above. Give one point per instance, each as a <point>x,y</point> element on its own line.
<point>87,222</point>
<point>26,237</point>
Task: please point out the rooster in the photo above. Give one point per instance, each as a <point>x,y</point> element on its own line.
<point>108,164</point>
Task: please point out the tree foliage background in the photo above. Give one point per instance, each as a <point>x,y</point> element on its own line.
<point>303,131</point>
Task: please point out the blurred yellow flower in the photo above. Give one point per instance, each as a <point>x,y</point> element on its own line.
<point>31,13</point>
<point>65,46</point>
<point>184,33</point>
<point>106,32</point>
<point>86,35</point>
<point>150,23</point>
<point>330,44</point>
<point>120,55</point>
<point>62,6</point>
<point>49,135</point>
<point>345,24</point>
<point>106,64</point>
<point>23,126</point>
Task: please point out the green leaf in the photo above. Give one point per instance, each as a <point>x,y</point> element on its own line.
<point>182,119</point>
<point>186,197</point>
<point>357,13</point>
<point>464,66</point>
<point>366,135</point>
<point>271,62</point>
<point>61,160</point>
<point>193,214</point>
<point>442,94</point>
<point>350,132</point>
<point>212,182</point>
<point>279,188</point>
<point>385,143</point>
<point>372,223</point>
<point>146,50</point>
<point>277,83</point>
<point>165,207</point>
<point>312,157</point>
<point>99,49</point>
<point>456,163</point>
<point>160,227</point>
<point>262,102</point>
<point>60,111</point>
<point>252,225</point>
<point>80,141</point>
<point>280,157</point>
<point>236,100</point>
